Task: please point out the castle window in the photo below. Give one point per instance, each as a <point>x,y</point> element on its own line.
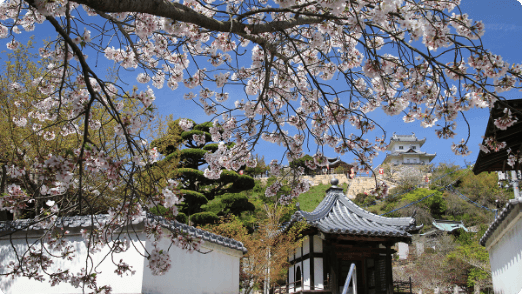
<point>413,147</point>
<point>401,147</point>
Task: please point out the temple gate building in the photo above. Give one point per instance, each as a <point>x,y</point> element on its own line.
<point>342,233</point>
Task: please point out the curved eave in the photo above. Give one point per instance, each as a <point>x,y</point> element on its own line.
<point>336,214</point>
<point>512,136</point>
<point>395,141</point>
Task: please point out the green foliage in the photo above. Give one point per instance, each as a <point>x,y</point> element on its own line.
<point>205,127</point>
<point>187,135</point>
<point>260,168</point>
<point>205,217</point>
<point>300,162</point>
<point>187,159</point>
<point>211,147</point>
<point>193,198</point>
<point>470,251</point>
<point>363,200</point>
<point>243,182</point>
<point>171,140</point>
<point>434,203</point>
<point>182,218</point>
<point>230,204</point>
<point>187,172</point>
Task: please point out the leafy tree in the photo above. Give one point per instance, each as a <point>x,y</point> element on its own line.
<point>268,247</point>
<point>475,256</point>
<point>29,137</point>
<point>188,148</point>
<point>260,169</point>
<point>434,203</point>
<point>301,162</point>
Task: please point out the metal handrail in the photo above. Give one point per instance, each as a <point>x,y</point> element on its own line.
<point>352,272</point>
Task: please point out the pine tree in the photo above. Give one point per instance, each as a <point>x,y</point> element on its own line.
<point>186,150</point>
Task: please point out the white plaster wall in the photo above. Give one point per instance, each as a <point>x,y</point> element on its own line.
<point>402,250</point>
<point>306,274</point>
<point>306,245</point>
<point>318,273</point>
<point>318,244</point>
<point>506,261</point>
<point>214,272</point>
<point>291,276</point>
<point>106,276</point>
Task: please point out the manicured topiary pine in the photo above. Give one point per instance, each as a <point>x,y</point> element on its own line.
<point>189,148</point>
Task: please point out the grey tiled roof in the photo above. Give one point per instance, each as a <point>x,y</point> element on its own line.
<point>336,214</point>
<point>396,153</point>
<point>199,233</point>
<point>510,206</point>
<point>79,222</point>
<point>406,138</point>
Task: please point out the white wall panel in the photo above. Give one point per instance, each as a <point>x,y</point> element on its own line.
<point>306,245</point>
<point>212,273</point>
<point>306,274</point>
<point>318,244</point>
<point>318,273</point>
<point>506,261</point>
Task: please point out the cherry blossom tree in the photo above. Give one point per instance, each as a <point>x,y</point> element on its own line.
<point>309,71</point>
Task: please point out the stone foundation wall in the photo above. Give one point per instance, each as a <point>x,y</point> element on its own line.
<point>355,186</point>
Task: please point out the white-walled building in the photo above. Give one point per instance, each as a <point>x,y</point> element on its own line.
<point>215,269</point>
<point>405,150</point>
<point>503,240</point>
<point>340,234</point>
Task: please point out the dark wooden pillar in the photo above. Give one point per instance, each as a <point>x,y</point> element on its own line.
<point>334,269</point>
<point>389,272</point>
<point>326,266</point>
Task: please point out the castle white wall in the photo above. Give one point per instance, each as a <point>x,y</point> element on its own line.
<point>505,257</point>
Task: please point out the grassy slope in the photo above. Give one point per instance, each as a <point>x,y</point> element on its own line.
<point>308,201</point>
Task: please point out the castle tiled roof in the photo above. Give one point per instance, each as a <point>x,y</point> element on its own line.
<point>410,152</point>
<point>86,222</point>
<point>336,214</point>
<point>406,138</point>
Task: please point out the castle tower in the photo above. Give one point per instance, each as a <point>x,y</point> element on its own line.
<point>405,150</point>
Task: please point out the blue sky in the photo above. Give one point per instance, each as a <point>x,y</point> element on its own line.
<point>503,36</point>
